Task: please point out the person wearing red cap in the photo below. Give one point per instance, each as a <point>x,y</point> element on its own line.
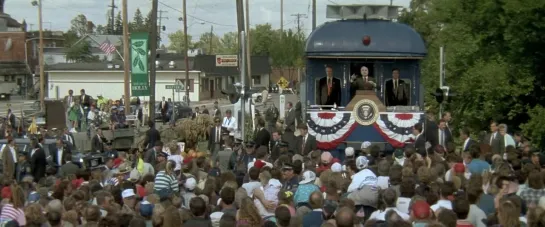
<point>420,213</point>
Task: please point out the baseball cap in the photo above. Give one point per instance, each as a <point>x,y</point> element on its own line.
<point>349,151</point>
<point>308,176</point>
<point>399,154</point>
<point>190,184</point>
<point>259,164</point>
<point>336,167</point>
<point>146,209</point>
<point>421,209</point>
<point>365,145</point>
<point>362,162</point>
<point>459,168</point>
<point>127,193</point>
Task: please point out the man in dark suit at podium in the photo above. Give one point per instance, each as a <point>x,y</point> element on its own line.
<point>397,93</point>
<point>329,89</point>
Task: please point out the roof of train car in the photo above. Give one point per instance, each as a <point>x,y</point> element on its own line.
<point>344,38</point>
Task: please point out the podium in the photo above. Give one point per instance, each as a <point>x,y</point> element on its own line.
<point>365,94</point>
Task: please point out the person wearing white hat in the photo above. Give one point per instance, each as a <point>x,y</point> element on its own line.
<point>189,185</point>
<point>363,188</point>
<point>336,168</point>
<point>306,187</point>
<point>129,201</point>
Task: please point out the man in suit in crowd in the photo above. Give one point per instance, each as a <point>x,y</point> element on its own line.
<point>217,111</point>
<point>447,117</point>
<point>204,110</point>
<point>223,158</point>
<point>11,120</point>
<point>215,141</point>
<point>397,92</point>
<point>495,139</point>
<point>419,140</point>
<point>69,99</point>
<point>275,145</point>
<point>58,155</point>
<point>306,143</point>
<point>97,142</point>
<point>69,139</point>
<point>441,136</point>
<point>38,160</point>
<point>151,155</point>
<point>263,137</point>
<point>468,142</point>
<point>329,89</point>
<point>430,125</point>
<point>85,99</point>
<point>290,121</point>
<point>196,113</point>
<point>164,110</point>
<point>9,159</point>
<point>68,167</point>
<point>152,135</point>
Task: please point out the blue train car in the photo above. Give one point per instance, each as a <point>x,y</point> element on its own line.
<point>347,49</point>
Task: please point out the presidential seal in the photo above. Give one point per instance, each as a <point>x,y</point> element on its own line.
<point>366,112</point>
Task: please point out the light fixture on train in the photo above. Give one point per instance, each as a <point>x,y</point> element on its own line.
<point>366,40</point>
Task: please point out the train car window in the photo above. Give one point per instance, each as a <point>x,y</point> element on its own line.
<point>397,93</point>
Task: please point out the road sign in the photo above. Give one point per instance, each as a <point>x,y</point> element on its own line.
<point>283,83</point>
<point>177,87</point>
<point>180,84</point>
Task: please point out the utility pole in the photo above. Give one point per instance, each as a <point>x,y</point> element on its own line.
<point>186,59</point>
<point>241,28</point>
<point>281,17</point>
<point>160,18</point>
<point>211,38</point>
<point>153,57</point>
<point>113,6</point>
<point>313,15</point>
<point>42,73</point>
<point>248,47</point>
<point>126,57</point>
<point>299,16</point>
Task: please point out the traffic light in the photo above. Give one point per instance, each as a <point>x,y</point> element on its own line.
<point>443,94</point>
<point>232,94</point>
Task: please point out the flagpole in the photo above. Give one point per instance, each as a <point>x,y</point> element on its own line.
<point>99,44</point>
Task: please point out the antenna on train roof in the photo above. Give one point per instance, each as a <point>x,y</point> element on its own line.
<point>381,12</point>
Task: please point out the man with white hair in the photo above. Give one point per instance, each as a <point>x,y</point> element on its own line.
<point>363,189</point>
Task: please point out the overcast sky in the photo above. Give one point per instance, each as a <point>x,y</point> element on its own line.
<point>202,14</point>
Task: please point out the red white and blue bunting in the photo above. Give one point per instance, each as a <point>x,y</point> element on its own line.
<point>330,128</point>
<point>333,128</point>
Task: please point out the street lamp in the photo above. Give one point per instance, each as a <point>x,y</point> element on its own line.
<point>38,3</point>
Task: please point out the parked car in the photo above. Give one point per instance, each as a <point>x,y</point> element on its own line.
<point>182,110</point>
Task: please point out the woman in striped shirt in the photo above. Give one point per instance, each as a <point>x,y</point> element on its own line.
<point>14,209</point>
<point>166,179</point>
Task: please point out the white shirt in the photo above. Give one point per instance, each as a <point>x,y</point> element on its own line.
<point>59,156</point>
<point>362,178</point>
<point>230,124</point>
<point>442,204</point>
<point>33,151</point>
<point>402,204</point>
<point>178,159</point>
<point>91,115</point>
<point>383,182</point>
<point>465,143</point>
<point>381,214</point>
<point>69,139</point>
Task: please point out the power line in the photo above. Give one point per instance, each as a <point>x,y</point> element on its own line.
<point>333,2</point>
<point>197,18</point>
<point>298,17</point>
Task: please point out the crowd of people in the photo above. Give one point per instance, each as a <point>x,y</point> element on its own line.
<point>282,179</point>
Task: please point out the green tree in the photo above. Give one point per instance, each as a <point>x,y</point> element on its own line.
<point>138,24</point>
<point>79,25</point>
<point>262,38</point>
<point>109,23</point>
<point>229,43</point>
<point>81,52</point>
<point>494,53</point>
<point>70,37</point>
<point>101,30</point>
<point>210,43</point>
<point>118,24</point>
<point>177,41</point>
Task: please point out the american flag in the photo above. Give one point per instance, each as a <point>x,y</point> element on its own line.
<point>107,47</point>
